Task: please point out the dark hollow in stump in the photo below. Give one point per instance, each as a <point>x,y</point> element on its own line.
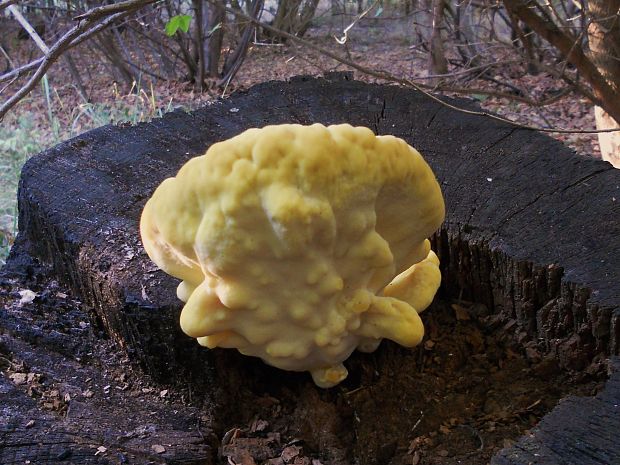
<point>531,235</point>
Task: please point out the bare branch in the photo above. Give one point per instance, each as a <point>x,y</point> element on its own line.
<point>106,10</point>
<point>76,35</point>
<point>385,75</point>
<point>29,29</point>
<point>7,57</point>
<point>342,40</point>
<point>8,85</point>
<point>90,23</point>
<point>605,96</point>
<point>234,62</point>
<point>21,70</point>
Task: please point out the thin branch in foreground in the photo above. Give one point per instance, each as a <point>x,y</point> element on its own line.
<point>92,24</point>
<point>75,35</point>
<point>387,76</point>
<point>8,85</point>
<point>17,72</point>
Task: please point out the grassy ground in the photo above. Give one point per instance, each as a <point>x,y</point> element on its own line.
<point>30,130</point>
<point>17,142</point>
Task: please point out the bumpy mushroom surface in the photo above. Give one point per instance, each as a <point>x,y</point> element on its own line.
<point>299,244</point>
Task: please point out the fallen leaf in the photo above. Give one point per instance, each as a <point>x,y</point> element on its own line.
<point>290,452</point>
<point>461,312</point>
<point>18,378</point>
<point>27,296</point>
<point>158,448</point>
<point>258,425</point>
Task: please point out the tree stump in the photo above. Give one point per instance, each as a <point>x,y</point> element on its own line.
<point>529,250</point>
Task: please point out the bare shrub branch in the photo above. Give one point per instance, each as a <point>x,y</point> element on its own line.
<point>89,24</point>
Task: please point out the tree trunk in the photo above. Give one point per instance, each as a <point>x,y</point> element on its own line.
<point>463,34</point>
<point>306,16</point>
<point>286,15</point>
<point>335,7</point>
<point>604,38</point>
<point>525,37</point>
<point>115,57</point>
<point>75,74</point>
<point>234,61</point>
<point>609,142</point>
<point>437,63</point>
<point>214,37</point>
<point>199,41</point>
<point>189,60</point>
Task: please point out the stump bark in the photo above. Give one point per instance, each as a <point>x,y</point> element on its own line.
<point>531,233</point>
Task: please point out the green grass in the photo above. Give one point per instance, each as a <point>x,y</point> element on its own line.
<point>21,138</point>
<point>17,143</point>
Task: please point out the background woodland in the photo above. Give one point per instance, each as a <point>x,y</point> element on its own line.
<point>67,66</point>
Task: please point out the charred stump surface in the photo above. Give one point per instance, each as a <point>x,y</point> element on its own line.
<point>531,236</point>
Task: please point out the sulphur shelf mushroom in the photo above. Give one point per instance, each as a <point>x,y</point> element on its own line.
<point>299,244</point>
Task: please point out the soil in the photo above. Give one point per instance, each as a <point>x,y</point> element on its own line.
<point>470,389</point>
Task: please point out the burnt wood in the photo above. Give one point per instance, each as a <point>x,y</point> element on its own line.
<point>532,231</point>
<point>578,431</point>
<point>68,396</point>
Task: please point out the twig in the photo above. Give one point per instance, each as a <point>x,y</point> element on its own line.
<point>346,30</point>
<point>354,391</point>
<point>471,70</point>
<point>7,57</point>
<point>485,76</point>
<point>8,85</point>
<point>22,69</point>
<point>417,423</point>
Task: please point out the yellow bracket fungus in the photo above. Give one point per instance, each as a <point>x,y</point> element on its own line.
<point>299,244</point>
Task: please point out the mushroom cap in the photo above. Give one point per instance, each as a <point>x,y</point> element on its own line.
<point>286,237</point>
